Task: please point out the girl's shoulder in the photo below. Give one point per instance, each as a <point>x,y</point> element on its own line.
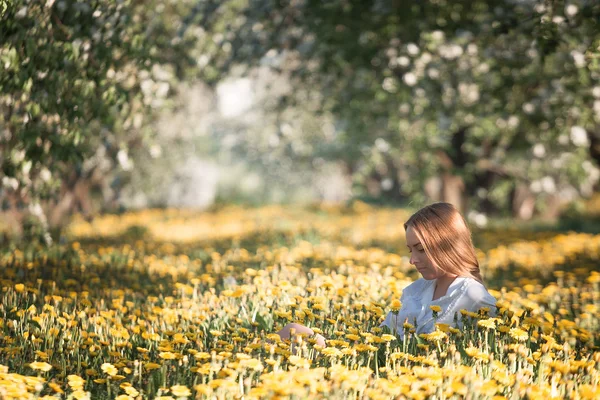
<point>476,291</point>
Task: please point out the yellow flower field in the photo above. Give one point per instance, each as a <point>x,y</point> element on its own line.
<point>174,304</point>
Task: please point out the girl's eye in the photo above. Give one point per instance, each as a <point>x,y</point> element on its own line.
<point>421,250</point>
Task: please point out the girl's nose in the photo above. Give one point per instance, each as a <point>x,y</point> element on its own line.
<point>412,259</point>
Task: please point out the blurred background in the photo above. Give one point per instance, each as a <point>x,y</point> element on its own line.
<point>108,106</point>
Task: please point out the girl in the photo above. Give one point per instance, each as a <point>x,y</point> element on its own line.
<point>439,240</point>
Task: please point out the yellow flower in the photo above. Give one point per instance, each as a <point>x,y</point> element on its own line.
<point>81,395</point>
<point>54,386</point>
<point>203,389</point>
<point>365,347</point>
<point>351,336</point>
<point>167,355</point>
<point>130,390</point>
<point>396,306</point>
<point>518,334</point>
<point>40,366</point>
<point>489,323</point>
<point>331,352</point>
<point>503,328</point>
<point>435,336</point>
<point>109,369</point>
<point>484,310</point>
<point>150,366</point>
<point>75,382</point>
<point>436,308</point>
<point>459,388</point>
<point>388,338</point>
<point>181,391</point>
<point>252,364</point>
<point>299,362</point>
<point>471,351</point>
<point>19,287</point>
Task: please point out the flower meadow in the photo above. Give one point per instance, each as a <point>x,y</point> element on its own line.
<point>172,304</point>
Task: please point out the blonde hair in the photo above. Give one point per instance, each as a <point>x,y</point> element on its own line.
<point>446,238</point>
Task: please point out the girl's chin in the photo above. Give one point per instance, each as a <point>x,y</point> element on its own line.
<point>428,276</point>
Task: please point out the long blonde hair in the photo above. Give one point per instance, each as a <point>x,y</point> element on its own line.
<point>446,238</point>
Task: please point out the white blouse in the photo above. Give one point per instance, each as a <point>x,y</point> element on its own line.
<point>463,293</point>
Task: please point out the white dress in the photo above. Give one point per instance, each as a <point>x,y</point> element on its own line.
<point>463,293</point>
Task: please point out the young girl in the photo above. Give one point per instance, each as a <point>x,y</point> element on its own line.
<point>441,248</point>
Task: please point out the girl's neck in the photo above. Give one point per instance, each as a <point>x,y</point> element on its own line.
<point>446,280</point>
<point>442,284</point>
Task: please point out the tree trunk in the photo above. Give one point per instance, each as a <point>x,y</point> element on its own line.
<point>74,195</point>
<point>523,202</point>
<point>453,191</point>
<point>14,216</point>
<point>433,188</point>
<point>594,149</point>
<point>552,209</point>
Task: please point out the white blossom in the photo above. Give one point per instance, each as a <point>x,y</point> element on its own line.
<point>433,73</point>
<point>571,10</point>
<point>45,174</point>
<point>412,49</point>
<point>403,61</point>
<point>155,151</point>
<point>579,136</point>
<point>425,58</point>
<point>539,150</point>
<point>451,51</point>
<point>579,58</point>
<point>162,90</point>
<point>483,68</point>
<point>472,49</point>
<point>536,186</point>
<point>387,184</point>
<point>548,184</point>
<point>437,35</point>
<point>410,79</point>
<point>382,145</point>
<point>528,108</point>
<point>563,139</point>
<point>124,160</point>
<point>477,218</point>
<point>10,182</point>
<point>468,92</point>
<point>389,85</point>
<point>22,13</point>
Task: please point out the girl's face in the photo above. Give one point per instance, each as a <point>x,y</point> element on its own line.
<point>419,258</point>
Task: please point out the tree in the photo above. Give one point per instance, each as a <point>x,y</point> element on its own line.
<point>79,79</point>
<point>493,97</point>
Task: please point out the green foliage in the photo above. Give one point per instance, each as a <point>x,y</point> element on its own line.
<point>80,81</point>
<point>494,93</point>
<point>465,87</point>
